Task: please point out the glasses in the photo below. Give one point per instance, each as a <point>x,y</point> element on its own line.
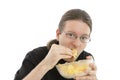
<point>84,38</point>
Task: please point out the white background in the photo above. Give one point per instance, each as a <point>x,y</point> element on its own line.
<point>27,24</point>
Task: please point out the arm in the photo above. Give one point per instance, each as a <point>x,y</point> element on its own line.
<point>56,53</point>
<point>38,72</point>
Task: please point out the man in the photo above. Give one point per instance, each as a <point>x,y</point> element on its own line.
<point>73,33</point>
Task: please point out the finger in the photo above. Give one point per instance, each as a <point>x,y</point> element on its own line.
<point>62,56</point>
<point>89,57</point>
<point>83,78</point>
<point>86,78</point>
<point>92,73</point>
<point>93,66</point>
<point>79,78</point>
<point>66,51</point>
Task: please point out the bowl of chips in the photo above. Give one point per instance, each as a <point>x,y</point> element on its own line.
<point>75,68</point>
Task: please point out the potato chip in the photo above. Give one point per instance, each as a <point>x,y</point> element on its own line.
<point>72,69</point>
<point>74,53</point>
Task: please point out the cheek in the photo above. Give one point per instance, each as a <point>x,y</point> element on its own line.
<point>64,42</point>
<point>82,47</point>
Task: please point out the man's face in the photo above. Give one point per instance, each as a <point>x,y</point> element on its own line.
<point>77,28</point>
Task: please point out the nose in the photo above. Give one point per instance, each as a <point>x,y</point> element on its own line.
<point>77,42</point>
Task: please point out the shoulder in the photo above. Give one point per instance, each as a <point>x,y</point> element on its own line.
<point>38,51</point>
<point>36,55</point>
<point>84,54</point>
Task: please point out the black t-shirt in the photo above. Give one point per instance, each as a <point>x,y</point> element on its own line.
<point>34,57</point>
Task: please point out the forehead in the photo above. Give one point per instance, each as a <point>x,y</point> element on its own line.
<point>77,26</point>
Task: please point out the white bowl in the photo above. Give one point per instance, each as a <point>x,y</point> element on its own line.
<point>72,69</point>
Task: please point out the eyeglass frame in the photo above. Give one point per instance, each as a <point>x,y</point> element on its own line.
<point>74,36</point>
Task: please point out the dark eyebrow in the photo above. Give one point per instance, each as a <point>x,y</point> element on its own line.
<point>76,34</point>
<point>86,35</point>
<point>71,32</point>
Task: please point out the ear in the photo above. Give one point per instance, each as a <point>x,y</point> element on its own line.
<point>57,34</point>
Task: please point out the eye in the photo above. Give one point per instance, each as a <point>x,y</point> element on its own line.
<point>84,37</point>
<point>71,35</point>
